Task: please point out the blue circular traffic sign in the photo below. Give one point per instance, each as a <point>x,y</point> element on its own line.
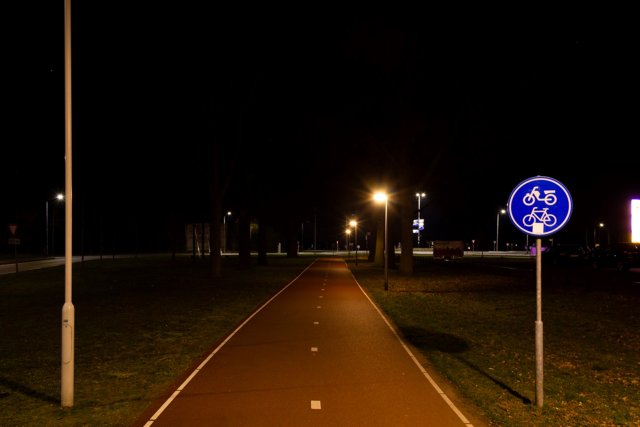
<point>540,206</point>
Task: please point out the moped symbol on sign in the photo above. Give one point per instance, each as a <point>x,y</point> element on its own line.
<point>540,206</point>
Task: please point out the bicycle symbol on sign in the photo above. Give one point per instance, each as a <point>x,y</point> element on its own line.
<point>539,215</point>
<point>549,197</point>
<point>540,206</point>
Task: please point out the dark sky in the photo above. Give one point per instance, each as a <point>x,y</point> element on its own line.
<point>312,108</point>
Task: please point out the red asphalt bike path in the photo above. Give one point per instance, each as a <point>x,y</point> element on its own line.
<point>318,353</point>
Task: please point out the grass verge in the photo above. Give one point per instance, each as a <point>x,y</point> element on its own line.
<point>141,322</point>
<point>476,326</point>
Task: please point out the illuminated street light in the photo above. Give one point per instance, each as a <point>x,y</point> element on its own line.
<point>59,197</point>
<point>597,241</point>
<point>354,224</point>
<point>419,196</point>
<point>500,212</point>
<point>382,197</point>
<point>224,232</point>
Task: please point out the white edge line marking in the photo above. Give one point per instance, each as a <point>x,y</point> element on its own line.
<point>205,361</point>
<point>415,360</point>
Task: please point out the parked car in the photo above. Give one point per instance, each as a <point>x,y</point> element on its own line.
<point>621,256</point>
<point>566,253</point>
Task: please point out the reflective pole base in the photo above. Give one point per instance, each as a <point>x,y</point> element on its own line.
<point>539,370</point>
<point>68,330</point>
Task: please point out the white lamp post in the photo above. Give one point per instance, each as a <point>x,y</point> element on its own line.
<point>598,241</point>
<point>382,197</point>
<point>419,196</point>
<point>354,224</point>
<point>224,232</point>
<point>347,234</point>
<point>59,197</point>
<point>500,212</point>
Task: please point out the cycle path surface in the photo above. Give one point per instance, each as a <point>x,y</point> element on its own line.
<point>318,353</point>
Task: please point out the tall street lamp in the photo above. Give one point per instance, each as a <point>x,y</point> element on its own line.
<point>347,234</point>
<point>224,232</point>
<point>354,224</point>
<point>598,241</point>
<point>59,197</point>
<point>500,212</point>
<point>419,196</point>
<point>382,197</point>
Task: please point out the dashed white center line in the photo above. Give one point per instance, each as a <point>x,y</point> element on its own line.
<point>316,323</point>
<point>314,349</point>
<point>315,404</point>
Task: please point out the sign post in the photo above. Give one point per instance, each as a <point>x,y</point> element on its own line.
<point>539,206</point>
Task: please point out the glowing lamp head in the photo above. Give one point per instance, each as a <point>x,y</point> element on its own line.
<point>380,197</point>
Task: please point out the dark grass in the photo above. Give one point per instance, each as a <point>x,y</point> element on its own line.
<point>141,323</point>
<point>475,324</point>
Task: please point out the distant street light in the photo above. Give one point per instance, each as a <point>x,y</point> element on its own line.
<point>597,241</point>
<point>224,232</point>
<point>500,212</point>
<point>382,197</point>
<point>59,197</point>
<point>354,224</point>
<point>419,196</point>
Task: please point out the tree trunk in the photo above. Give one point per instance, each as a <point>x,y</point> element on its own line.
<point>215,234</point>
<point>262,243</point>
<point>215,238</point>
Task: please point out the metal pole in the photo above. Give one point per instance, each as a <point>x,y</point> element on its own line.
<point>68,311</point>
<point>346,241</point>
<point>356,239</point>
<point>539,368</point>
<point>386,248</point>
<point>53,232</point>
<point>348,232</point>
<point>419,197</point>
<point>497,229</point>
<point>46,228</point>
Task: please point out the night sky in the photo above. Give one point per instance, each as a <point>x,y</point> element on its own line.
<point>310,110</point>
